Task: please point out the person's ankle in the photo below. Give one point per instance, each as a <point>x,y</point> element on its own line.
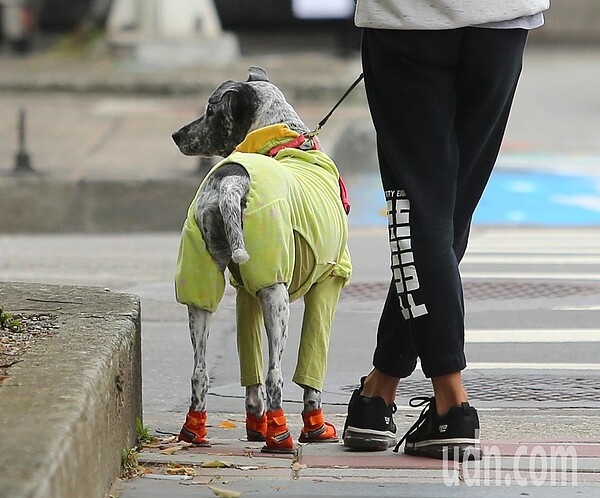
<point>380,385</point>
<point>448,391</point>
<point>442,406</point>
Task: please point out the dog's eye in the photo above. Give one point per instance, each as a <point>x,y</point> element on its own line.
<point>209,111</point>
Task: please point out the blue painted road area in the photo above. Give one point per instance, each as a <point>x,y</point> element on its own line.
<point>514,196</point>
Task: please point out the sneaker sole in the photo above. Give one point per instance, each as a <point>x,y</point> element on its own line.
<point>368,439</point>
<point>458,450</point>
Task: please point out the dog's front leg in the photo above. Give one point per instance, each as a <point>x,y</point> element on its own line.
<point>194,429</point>
<point>275,305</point>
<point>320,303</point>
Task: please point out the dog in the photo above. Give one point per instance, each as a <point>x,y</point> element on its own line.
<point>274,214</point>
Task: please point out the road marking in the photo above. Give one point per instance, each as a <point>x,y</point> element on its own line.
<point>533,366</point>
<point>531,335</point>
<point>532,259</point>
<point>528,366</point>
<point>529,276</point>
<point>577,308</point>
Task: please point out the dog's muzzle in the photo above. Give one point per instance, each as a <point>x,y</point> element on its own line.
<point>177,137</point>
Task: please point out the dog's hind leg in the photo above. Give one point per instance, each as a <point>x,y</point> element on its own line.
<point>276,311</point>
<point>194,429</point>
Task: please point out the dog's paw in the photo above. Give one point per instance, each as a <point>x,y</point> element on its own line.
<point>240,256</point>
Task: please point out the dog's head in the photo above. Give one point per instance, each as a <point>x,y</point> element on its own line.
<point>234,109</point>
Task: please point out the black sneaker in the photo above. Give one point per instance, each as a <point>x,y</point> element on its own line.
<point>454,436</point>
<point>369,425</point>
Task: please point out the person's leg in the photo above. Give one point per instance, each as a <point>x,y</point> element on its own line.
<point>487,73</point>
<point>422,183</point>
<point>485,89</point>
<point>486,86</point>
<point>409,78</point>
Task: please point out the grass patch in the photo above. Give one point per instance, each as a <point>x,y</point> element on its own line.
<point>8,321</point>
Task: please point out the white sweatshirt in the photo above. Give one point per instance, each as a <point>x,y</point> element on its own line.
<point>443,14</point>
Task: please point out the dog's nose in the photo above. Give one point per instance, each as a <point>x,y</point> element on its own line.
<point>177,137</point>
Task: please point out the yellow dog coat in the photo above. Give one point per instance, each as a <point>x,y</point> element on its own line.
<point>295,231</point>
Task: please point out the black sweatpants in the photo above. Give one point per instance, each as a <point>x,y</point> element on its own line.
<point>439,101</point>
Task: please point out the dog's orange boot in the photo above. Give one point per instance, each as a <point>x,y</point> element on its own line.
<point>194,429</point>
<point>278,439</point>
<point>316,430</point>
<point>256,427</point>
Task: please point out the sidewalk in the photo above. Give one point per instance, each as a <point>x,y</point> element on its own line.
<point>508,466</point>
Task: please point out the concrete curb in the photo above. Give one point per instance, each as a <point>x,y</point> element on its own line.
<point>70,407</point>
<point>312,91</point>
<point>300,76</point>
<point>52,205</point>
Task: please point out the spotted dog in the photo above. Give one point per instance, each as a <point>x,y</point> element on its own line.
<point>274,214</point>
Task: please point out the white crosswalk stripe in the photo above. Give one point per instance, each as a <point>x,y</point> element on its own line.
<point>485,336</point>
<point>554,256</point>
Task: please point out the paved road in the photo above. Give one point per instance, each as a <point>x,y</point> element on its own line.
<point>533,308</point>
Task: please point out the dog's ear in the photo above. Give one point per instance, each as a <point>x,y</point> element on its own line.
<point>222,90</point>
<point>256,73</point>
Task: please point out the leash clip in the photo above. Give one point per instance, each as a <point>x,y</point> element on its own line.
<point>312,134</point>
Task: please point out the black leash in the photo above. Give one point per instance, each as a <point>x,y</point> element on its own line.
<point>316,131</point>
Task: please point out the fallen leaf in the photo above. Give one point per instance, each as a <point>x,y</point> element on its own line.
<point>227,424</point>
<point>166,477</point>
<point>225,493</point>
<point>198,481</point>
<point>246,467</point>
<point>154,442</point>
<point>296,466</point>
<point>181,471</point>
<point>171,450</point>
<point>216,464</point>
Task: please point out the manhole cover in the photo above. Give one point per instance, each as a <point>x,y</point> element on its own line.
<point>512,388</point>
<point>481,290</point>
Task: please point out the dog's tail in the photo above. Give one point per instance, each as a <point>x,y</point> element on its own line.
<point>231,193</point>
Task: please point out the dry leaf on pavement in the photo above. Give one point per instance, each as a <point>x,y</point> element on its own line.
<point>227,424</point>
<point>225,493</point>
<point>178,470</point>
<point>216,464</point>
